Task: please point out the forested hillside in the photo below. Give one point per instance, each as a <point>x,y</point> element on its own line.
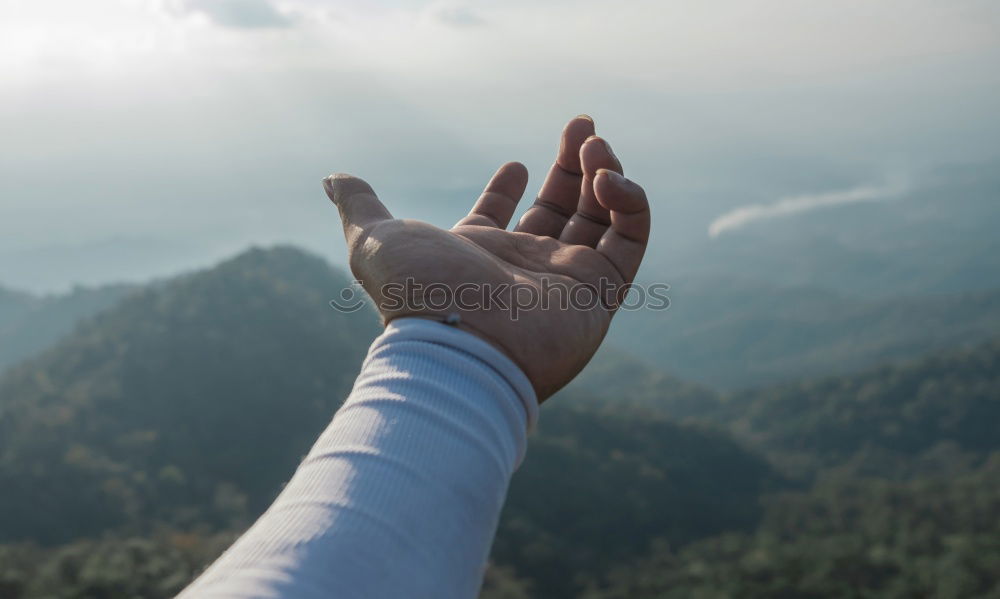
<point>932,414</point>
<point>736,332</point>
<point>929,537</point>
<point>901,469</point>
<point>177,415</point>
<point>183,396</point>
<point>135,449</point>
<point>599,488</point>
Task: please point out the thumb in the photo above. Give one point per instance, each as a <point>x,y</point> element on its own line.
<point>359,207</point>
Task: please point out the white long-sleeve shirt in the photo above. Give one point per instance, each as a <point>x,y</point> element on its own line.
<point>400,496</point>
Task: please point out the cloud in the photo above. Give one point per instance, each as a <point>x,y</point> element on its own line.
<point>745,215</point>
<point>458,16</point>
<point>238,14</point>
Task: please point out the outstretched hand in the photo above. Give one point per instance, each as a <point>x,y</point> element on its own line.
<point>544,293</point>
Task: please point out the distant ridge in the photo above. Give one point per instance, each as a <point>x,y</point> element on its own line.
<point>30,323</point>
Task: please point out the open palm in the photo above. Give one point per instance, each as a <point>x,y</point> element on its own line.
<point>543,293</point>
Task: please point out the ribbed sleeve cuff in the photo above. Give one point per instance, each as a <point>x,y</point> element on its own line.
<point>421,329</point>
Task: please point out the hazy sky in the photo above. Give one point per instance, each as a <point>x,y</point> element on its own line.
<point>169,131</point>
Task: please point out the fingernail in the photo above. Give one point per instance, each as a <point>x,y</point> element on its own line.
<point>607,146</point>
<point>613,177</point>
<point>329,186</point>
<point>584,116</point>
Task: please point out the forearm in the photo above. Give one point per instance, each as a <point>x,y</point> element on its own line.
<point>400,495</point>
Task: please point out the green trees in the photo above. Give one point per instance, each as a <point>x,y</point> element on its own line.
<point>889,421</point>
<point>188,405</point>
<point>190,402</point>
<point>134,451</point>
<point>112,567</point>
<point>930,537</point>
<point>901,467</point>
<point>598,489</point>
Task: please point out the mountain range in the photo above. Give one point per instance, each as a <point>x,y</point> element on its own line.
<point>158,427</point>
